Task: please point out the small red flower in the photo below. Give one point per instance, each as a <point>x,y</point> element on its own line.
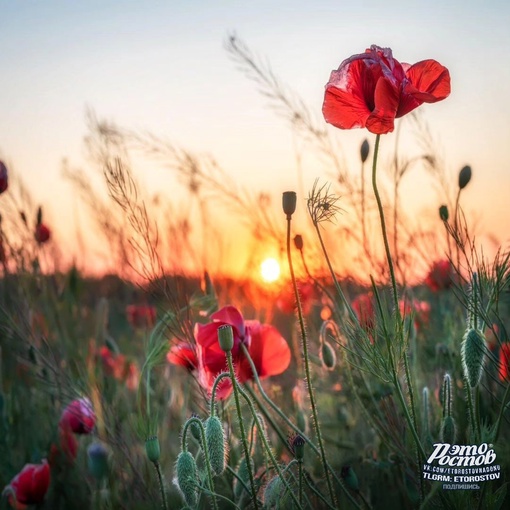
<point>42,233</point>
<point>440,276</point>
<point>268,349</point>
<point>30,485</point>
<point>372,89</point>
<point>504,361</point>
<point>184,355</point>
<point>117,366</point>
<point>79,416</point>
<point>141,316</point>
<point>4,180</point>
<point>363,306</point>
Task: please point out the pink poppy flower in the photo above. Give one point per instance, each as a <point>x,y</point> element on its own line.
<point>30,485</point>
<point>372,89</point>
<point>79,416</point>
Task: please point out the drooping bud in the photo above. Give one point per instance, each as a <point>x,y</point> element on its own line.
<point>187,478</point>
<point>448,430</point>
<point>328,356</point>
<point>226,337</point>
<point>443,213</point>
<point>472,353</point>
<point>464,176</point>
<point>350,478</point>
<point>97,460</point>
<point>152,448</point>
<point>195,428</point>
<point>215,442</point>
<point>364,150</point>
<point>289,200</point>
<point>298,242</point>
<point>243,474</point>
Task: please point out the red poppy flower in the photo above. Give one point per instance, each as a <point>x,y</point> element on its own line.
<point>4,181</point>
<point>30,485</point>
<point>141,316</point>
<point>372,89</point>
<point>117,366</point>
<point>504,361</point>
<point>79,416</point>
<point>267,348</point>
<point>67,448</point>
<point>363,306</point>
<point>42,233</point>
<point>440,276</point>
<point>183,354</point>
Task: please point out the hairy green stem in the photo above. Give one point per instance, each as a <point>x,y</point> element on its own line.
<point>308,376</point>
<point>244,441</point>
<point>161,485</point>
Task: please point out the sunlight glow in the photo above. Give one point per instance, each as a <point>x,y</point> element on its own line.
<point>270,270</point>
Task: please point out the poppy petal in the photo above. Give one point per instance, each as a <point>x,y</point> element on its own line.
<point>386,99</point>
<point>230,315</point>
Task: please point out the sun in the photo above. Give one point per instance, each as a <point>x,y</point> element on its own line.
<point>270,270</point>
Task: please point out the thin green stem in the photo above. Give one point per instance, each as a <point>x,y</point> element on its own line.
<point>307,368</point>
<point>241,429</point>
<point>501,411</point>
<point>161,485</point>
<point>471,410</point>
<point>300,481</point>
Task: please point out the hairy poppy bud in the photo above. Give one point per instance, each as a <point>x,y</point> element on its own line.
<point>443,213</point>
<point>195,428</point>
<point>272,492</point>
<point>289,200</point>
<point>226,337</point>
<point>298,242</point>
<point>472,353</point>
<point>152,448</point>
<point>187,478</point>
<point>446,395</point>
<point>328,356</point>
<point>464,176</point>
<point>448,430</point>
<point>97,460</point>
<point>364,150</point>
<point>215,442</point>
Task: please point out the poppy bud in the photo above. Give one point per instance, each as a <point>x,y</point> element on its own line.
<point>272,492</point>
<point>226,337</point>
<point>39,216</point>
<point>350,478</point>
<point>152,448</point>
<point>328,356</point>
<point>42,233</point>
<point>243,474</point>
<point>215,442</point>
<point>4,183</point>
<point>195,428</point>
<point>187,478</point>
<point>472,353</point>
<point>364,150</point>
<point>448,430</point>
<point>298,242</point>
<point>446,395</point>
<point>298,447</point>
<point>97,460</point>
<point>289,200</point>
<point>464,176</point>
<point>443,213</point>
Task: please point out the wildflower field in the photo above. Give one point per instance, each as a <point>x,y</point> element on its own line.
<point>368,367</point>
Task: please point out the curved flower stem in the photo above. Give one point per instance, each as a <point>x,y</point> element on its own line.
<point>241,429</point>
<point>307,369</point>
<point>400,329</point>
<point>219,378</point>
<point>184,447</point>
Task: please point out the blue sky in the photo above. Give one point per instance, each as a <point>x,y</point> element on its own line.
<point>162,66</point>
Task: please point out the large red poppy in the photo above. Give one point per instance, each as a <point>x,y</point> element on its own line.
<point>30,485</point>
<point>267,348</point>
<point>372,89</point>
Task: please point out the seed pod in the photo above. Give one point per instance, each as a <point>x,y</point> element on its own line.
<point>187,478</point>
<point>328,356</point>
<point>464,176</point>
<point>298,242</point>
<point>472,353</point>
<point>226,337</point>
<point>298,446</point>
<point>152,448</point>
<point>364,150</point>
<point>215,439</point>
<point>448,430</point>
<point>289,200</point>
<point>443,213</point>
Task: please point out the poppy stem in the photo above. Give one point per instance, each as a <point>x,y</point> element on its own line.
<point>241,430</point>
<point>306,360</point>
<point>399,324</point>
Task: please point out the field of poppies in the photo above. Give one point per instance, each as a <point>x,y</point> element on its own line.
<point>379,383</point>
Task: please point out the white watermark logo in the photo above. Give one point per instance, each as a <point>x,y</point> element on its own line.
<point>461,466</point>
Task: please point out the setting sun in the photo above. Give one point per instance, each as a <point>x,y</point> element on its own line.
<point>270,270</point>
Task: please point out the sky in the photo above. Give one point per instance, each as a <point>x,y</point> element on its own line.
<point>162,66</point>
